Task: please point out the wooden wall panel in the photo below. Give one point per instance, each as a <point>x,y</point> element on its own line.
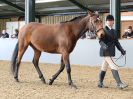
<point>3,24</point>
<point>56,19</point>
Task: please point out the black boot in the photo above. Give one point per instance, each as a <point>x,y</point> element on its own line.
<point>101,78</point>
<point>120,85</point>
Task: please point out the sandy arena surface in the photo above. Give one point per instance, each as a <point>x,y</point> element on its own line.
<point>85,77</point>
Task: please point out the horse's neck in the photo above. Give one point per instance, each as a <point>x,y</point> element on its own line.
<point>81,28</point>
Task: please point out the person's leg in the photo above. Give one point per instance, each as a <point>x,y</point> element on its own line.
<point>115,73</point>
<point>102,74</point>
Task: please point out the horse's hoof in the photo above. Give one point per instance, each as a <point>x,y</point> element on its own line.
<point>73,86</point>
<point>50,82</point>
<point>43,80</point>
<point>16,79</point>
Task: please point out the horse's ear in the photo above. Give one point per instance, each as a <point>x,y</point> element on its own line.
<point>96,12</point>
<point>90,13</point>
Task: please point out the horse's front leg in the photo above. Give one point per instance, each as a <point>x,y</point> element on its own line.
<point>68,69</point>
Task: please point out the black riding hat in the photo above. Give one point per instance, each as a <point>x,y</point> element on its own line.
<point>109,18</point>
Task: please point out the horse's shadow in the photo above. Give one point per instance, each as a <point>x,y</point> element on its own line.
<point>129,89</point>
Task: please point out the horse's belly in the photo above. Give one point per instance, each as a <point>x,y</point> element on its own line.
<point>51,51</point>
<point>46,47</point>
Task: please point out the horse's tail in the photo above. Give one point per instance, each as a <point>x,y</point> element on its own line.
<point>14,57</point>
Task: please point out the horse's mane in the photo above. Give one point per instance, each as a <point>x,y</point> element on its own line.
<point>76,19</point>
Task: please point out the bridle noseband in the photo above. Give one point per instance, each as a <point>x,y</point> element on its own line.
<point>99,30</point>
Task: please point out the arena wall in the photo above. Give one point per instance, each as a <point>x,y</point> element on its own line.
<point>86,52</point>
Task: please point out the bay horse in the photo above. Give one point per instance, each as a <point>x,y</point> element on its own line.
<point>58,38</point>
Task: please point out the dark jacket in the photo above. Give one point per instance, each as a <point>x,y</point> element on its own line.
<point>6,35</point>
<point>127,34</point>
<point>108,43</point>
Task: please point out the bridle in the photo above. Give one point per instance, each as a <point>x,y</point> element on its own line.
<point>99,30</point>
<point>94,27</point>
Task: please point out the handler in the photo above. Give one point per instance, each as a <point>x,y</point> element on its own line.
<point>107,50</point>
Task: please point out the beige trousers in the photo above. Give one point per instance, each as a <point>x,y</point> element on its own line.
<point>108,62</point>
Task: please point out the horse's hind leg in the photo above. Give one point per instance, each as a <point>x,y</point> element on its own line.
<point>21,51</point>
<point>35,61</point>
<point>58,72</point>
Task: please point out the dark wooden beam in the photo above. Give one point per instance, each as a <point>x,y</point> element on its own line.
<point>80,5</point>
<point>13,5</point>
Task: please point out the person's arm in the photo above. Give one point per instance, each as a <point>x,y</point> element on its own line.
<point>102,43</point>
<point>3,36</point>
<point>128,35</point>
<point>124,35</point>
<point>119,47</point>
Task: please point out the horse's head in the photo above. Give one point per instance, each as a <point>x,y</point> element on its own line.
<point>95,24</point>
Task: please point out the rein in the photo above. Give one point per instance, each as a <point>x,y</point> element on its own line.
<point>116,59</point>
<point>121,56</point>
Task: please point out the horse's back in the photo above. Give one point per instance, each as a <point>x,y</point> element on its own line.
<point>35,28</point>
